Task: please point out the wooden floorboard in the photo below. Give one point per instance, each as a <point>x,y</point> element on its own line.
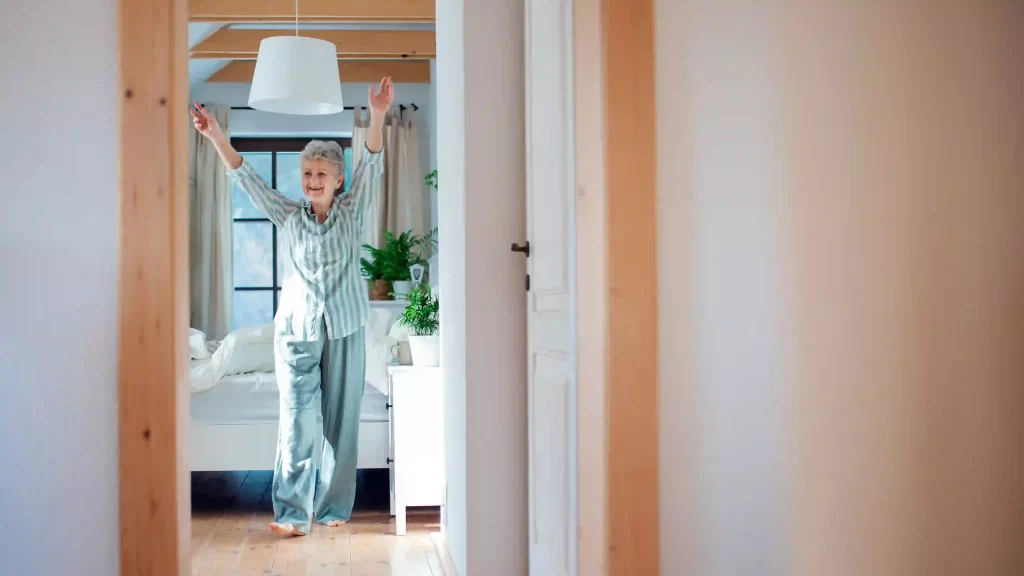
<point>230,537</point>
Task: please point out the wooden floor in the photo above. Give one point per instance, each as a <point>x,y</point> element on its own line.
<point>230,513</point>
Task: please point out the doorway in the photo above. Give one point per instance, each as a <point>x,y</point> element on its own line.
<point>177,431</point>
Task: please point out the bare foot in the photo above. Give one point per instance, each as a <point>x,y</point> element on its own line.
<point>285,530</point>
<point>335,523</point>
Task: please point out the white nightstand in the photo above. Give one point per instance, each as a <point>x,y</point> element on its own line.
<point>417,439</point>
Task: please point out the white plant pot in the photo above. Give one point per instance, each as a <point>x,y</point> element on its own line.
<point>426,350</point>
<point>401,287</point>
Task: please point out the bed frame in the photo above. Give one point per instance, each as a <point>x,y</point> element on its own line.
<point>226,447</point>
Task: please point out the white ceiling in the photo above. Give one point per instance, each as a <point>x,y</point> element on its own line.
<point>199,70</point>
<point>199,31</point>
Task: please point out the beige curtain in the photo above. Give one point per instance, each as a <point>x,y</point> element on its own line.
<point>209,234</point>
<point>399,206</point>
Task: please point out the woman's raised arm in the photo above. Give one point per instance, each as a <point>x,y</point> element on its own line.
<point>275,205</point>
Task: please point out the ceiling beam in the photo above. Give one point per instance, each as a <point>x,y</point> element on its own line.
<point>350,71</point>
<point>234,44</point>
<point>311,10</point>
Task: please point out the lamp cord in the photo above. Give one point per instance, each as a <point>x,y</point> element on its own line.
<point>296,18</point>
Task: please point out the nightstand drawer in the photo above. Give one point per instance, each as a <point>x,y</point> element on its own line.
<point>417,417</point>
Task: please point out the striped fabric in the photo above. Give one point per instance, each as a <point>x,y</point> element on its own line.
<point>323,278</point>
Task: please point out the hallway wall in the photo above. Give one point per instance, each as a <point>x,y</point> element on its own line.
<point>722,233</point>
<point>841,242</point>
<point>482,210</point>
<point>58,285</point>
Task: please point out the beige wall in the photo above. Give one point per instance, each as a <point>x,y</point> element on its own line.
<point>910,273</point>
<point>841,237</point>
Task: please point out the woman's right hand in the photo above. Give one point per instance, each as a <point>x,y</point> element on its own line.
<point>204,122</point>
<point>207,125</point>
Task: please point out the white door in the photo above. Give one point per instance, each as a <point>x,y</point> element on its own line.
<point>551,296</point>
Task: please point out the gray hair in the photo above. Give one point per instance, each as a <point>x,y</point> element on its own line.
<point>329,151</point>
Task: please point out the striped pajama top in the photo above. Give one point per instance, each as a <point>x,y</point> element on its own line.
<point>323,285</point>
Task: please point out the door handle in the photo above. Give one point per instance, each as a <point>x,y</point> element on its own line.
<point>524,249</point>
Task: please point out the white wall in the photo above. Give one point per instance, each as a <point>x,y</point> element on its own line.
<point>481,150</point>
<point>255,123</point>
<point>495,300</point>
<point>451,217</point>
<point>721,255</point>
<point>58,285</point>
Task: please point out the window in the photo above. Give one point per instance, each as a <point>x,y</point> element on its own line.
<point>258,267</point>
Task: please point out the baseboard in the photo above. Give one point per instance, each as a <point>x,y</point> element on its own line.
<point>441,548</point>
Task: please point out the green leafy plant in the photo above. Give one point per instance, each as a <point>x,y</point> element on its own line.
<point>428,244</point>
<point>372,268</point>
<point>430,179</point>
<point>421,315</point>
<point>391,262</point>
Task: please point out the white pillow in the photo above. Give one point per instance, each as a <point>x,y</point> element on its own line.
<point>245,350</point>
<point>197,344</point>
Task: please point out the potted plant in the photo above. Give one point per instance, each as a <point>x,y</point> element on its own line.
<point>387,267</point>
<point>373,271</point>
<point>421,318</point>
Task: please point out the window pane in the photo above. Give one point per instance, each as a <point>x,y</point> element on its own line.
<point>252,308</point>
<point>283,261</point>
<point>241,206</point>
<point>289,180</point>
<point>252,252</point>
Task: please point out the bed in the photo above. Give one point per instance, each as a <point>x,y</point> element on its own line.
<point>234,426</point>
<point>234,417</point>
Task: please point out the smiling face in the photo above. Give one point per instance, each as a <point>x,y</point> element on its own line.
<point>320,179</point>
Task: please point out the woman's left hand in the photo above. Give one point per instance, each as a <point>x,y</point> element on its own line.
<point>381,100</point>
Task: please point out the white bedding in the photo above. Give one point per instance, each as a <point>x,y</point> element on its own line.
<point>253,399</point>
<point>251,350</point>
<point>200,375</point>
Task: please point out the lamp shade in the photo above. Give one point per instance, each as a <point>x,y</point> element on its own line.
<point>296,75</point>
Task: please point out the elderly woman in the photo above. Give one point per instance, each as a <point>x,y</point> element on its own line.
<point>318,343</point>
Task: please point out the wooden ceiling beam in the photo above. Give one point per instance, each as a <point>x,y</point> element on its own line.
<point>311,10</point>
<point>413,71</point>
<point>235,44</point>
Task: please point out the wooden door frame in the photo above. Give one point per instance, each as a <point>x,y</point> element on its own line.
<point>632,335</point>
<point>617,287</point>
<point>153,290</point>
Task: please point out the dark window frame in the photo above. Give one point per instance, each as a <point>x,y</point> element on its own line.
<point>273,146</point>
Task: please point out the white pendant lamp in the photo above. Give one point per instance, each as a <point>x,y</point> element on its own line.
<point>296,75</point>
